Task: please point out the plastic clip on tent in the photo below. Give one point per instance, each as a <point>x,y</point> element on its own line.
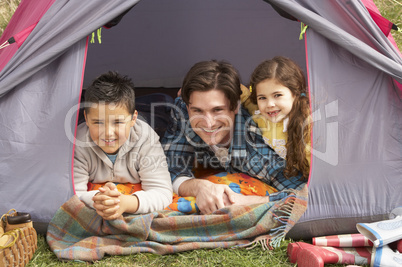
<point>18,38</point>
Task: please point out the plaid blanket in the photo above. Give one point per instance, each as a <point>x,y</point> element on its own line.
<point>77,232</point>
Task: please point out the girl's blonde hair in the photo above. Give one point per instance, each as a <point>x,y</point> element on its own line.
<point>290,75</point>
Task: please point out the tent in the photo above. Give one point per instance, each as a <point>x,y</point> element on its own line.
<point>353,66</point>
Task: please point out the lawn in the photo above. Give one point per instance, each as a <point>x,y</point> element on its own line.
<point>216,257</point>
<point>391,9</point>
<point>203,257</point>
<point>7,8</point>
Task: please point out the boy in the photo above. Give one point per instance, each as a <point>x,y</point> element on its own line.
<point>113,147</point>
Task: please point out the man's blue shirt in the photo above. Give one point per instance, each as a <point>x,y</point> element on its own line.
<point>247,153</point>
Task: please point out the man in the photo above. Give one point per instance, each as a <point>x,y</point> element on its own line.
<point>210,128</point>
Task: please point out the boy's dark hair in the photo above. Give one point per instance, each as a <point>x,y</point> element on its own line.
<point>208,75</point>
<point>111,87</point>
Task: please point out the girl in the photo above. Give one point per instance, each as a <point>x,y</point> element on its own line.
<point>278,87</point>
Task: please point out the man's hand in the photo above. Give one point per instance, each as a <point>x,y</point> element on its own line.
<point>209,196</point>
<point>213,197</point>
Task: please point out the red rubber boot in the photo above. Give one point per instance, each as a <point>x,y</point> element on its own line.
<point>294,249</point>
<point>396,246</point>
<point>318,256</point>
<point>399,246</point>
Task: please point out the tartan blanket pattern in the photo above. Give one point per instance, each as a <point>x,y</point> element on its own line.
<point>77,232</point>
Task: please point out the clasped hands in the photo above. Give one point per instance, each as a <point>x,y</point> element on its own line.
<point>108,203</point>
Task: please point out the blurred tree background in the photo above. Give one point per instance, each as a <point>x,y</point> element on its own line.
<point>7,9</point>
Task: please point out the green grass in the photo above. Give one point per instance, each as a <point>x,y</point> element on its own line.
<point>257,257</point>
<point>7,8</point>
<point>392,10</point>
<point>203,257</point>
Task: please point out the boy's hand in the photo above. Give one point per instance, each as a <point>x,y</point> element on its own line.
<point>110,204</point>
<point>106,202</point>
<point>109,186</point>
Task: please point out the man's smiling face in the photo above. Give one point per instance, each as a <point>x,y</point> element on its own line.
<point>211,117</point>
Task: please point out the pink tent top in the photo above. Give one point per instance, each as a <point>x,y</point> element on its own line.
<point>21,25</point>
<point>384,24</point>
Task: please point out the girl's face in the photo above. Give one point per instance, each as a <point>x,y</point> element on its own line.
<point>274,100</point>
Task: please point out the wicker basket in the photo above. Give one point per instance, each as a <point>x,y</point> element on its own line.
<point>19,243</point>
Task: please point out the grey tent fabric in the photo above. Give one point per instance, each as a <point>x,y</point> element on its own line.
<point>356,165</point>
<point>176,34</point>
<point>352,69</point>
<point>350,27</point>
<point>39,89</point>
<point>35,154</point>
<point>65,23</point>
<point>356,170</point>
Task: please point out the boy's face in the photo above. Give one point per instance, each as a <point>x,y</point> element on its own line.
<point>109,125</point>
<point>211,117</point>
